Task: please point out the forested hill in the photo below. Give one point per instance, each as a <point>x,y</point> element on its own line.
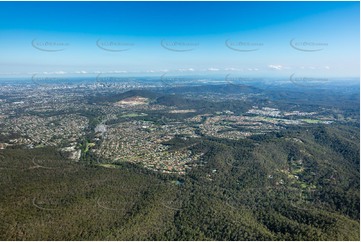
<point>298,184</point>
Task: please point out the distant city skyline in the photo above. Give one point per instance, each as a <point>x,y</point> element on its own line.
<point>254,39</point>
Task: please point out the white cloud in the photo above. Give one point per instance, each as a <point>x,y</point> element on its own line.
<point>185,69</point>
<point>120,72</point>
<point>276,67</point>
<point>80,72</point>
<point>53,73</point>
<point>212,69</point>
<point>233,69</point>
<point>230,69</point>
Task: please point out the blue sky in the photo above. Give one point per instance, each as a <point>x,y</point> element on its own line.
<point>265,39</point>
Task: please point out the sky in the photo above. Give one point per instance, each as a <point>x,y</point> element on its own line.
<point>251,39</point>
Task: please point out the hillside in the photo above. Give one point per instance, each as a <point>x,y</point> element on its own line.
<point>248,190</point>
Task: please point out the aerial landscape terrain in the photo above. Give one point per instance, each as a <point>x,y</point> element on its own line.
<point>247,150</point>
<point>152,162</point>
